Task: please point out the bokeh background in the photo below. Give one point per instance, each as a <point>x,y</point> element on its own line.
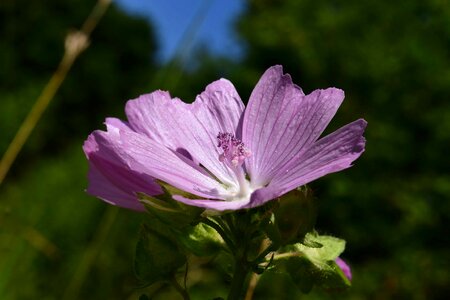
<point>392,58</point>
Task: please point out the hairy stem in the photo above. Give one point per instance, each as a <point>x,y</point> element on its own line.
<point>242,267</point>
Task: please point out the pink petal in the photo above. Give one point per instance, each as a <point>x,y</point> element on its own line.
<point>146,157</point>
<point>116,123</point>
<point>111,180</point>
<point>103,188</point>
<point>294,135</point>
<point>152,115</point>
<point>219,107</point>
<point>344,267</point>
<point>266,101</point>
<point>190,128</point>
<point>280,121</point>
<point>332,153</point>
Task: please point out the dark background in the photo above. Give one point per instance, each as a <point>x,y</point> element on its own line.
<point>392,59</point>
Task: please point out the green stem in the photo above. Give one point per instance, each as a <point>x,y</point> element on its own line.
<point>241,272</point>
<point>242,266</point>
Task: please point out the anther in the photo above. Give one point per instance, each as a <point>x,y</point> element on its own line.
<point>234,150</point>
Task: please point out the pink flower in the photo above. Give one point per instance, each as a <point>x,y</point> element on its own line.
<point>228,156</point>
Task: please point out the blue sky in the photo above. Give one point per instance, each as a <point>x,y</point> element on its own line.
<point>171,19</point>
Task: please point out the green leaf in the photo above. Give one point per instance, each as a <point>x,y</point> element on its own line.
<point>157,257</point>
<point>313,262</point>
<point>302,272</point>
<point>324,247</point>
<point>306,274</point>
<point>309,241</point>
<point>201,240</point>
<point>335,280</point>
<point>296,215</point>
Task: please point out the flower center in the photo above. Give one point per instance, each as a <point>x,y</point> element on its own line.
<point>234,150</point>
<point>234,154</point>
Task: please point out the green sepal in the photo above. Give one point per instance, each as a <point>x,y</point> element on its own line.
<point>296,215</point>
<point>157,257</point>
<point>201,240</point>
<point>309,266</point>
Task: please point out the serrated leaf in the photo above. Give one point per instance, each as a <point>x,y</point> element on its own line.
<point>307,274</point>
<point>157,257</point>
<point>331,247</point>
<point>335,280</point>
<point>301,272</point>
<point>310,241</point>
<point>309,266</point>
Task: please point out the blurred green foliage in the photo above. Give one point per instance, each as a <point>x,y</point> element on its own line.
<point>391,58</point>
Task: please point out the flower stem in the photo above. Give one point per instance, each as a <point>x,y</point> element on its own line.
<point>241,272</point>
<point>242,267</point>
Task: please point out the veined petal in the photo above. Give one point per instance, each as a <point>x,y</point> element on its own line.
<point>219,107</point>
<point>190,128</point>
<point>266,101</point>
<point>103,188</point>
<point>112,181</point>
<point>280,121</point>
<point>117,123</point>
<point>145,156</point>
<point>330,154</point>
<point>148,115</point>
<point>312,114</point>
